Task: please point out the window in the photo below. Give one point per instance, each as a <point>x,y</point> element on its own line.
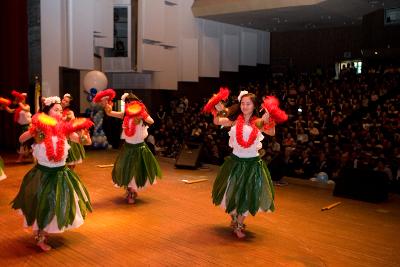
<point>121,44</point>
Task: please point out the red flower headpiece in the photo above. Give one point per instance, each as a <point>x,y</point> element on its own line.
<point>4,101</point>
<point>20,97</point>
<point>271,104</point>
<point>110,93</point>
<point>222,95</point>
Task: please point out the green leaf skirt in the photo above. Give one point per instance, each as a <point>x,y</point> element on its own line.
<point>2,174</point>
<point>76,153</point>
<point>135,161</point>
<point>20,130</point>
<point>48,192</point>
<point>1,163</point>
<point>245,185</point>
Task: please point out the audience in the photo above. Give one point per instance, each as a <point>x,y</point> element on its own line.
<point>352,121</point>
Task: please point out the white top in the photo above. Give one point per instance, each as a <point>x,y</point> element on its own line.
<point>240,151</point>
<point>139,136</point>
<point>39,152</point>
<point>25,117</point>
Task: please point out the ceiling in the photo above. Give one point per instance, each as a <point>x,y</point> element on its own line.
<point>289,15</point>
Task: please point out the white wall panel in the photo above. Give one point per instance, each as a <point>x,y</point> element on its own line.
<point>230,29</point>
<point>188,59</point>
<point>211,28</point>
<point>104,23</point>
<point>152,57</point>
<point>153,20</point>
<point>188,26</point>
<point>230,53</point>
<point>168,77</point>
<point>51,43</point>
<point>248,48</point>
<point>209,57</point>
<point>81,18</point>
<point>171,25</point>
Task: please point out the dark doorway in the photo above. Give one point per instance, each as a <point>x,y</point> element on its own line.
<point>70,83</point>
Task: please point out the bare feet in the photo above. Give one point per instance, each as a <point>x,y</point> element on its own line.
<point>238,230</point>
<point>41,242</point>
<point>239,233</point>
<point>131,197</point>
<point>43,246</point>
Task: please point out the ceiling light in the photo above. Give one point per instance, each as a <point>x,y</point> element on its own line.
<point>375,52</point>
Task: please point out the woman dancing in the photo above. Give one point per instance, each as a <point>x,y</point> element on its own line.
<point>243,184</point>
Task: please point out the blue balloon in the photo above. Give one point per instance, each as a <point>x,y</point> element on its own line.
<point>93,91</point>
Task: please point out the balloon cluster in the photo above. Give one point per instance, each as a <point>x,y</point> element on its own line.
<point>94,82</point>
<point>92,93</point>
<point>99,138</point>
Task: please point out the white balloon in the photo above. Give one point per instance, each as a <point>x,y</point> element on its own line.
<point>95,79</point>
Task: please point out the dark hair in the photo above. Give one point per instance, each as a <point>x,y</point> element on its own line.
<point>131,97</point>
<point>46,109</point>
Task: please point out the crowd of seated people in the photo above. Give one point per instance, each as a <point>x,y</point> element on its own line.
<point>349,122</point>
<point>333,124</point>
<point>183,124</point>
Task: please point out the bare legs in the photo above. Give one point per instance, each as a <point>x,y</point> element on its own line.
<point>23,153</point>
<point>238,225</point>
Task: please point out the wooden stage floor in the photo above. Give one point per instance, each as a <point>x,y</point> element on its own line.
<point>176,224</point>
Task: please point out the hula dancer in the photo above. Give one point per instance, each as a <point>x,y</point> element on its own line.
<point>77,152</point>
<point>23,119</point>
<point>135,166</point>
<point>4,103</point>
<point>52,198</point>
<point>243,184</point>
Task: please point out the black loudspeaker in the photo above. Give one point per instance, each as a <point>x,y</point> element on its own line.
<point>366,185</point>
<point>189,156</point>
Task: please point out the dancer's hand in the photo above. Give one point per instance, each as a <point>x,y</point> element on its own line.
<point>265,117</point>
<point>219,107</point>
<point>107,108</point>
<point>85,137</point>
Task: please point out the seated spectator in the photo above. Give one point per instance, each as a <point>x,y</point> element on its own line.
<point>302,137</point>
<point>288,141</point>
